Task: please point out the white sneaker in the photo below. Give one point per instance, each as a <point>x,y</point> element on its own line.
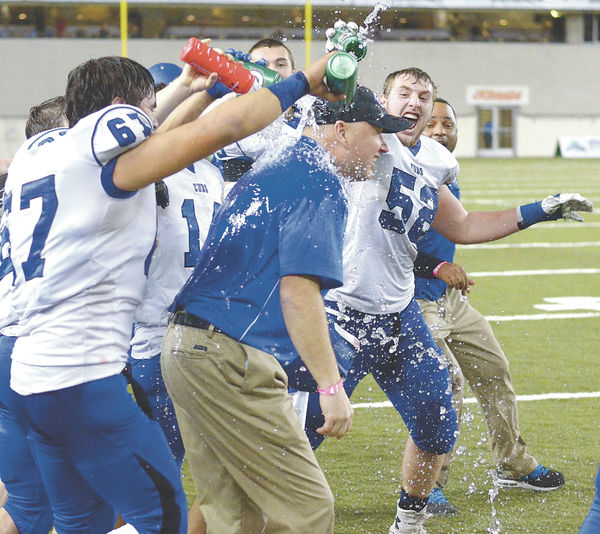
<point>408,522</point>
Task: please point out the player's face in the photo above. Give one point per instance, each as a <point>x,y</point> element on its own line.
<point>148,106</point>
<point>411,99</point>
<point>364,144</point>
<point>442,126</point>
<point>277,57</point>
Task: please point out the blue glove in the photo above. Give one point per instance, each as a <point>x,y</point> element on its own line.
<point>240,56</point>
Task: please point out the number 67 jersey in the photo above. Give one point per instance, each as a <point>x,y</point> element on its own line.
<point>387,215</point>
<point>78,248</point>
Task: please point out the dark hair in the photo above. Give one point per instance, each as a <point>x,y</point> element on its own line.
<point>415,72</point>
<point>444,101</point>
<point>49,114</point>
<point>94,84</point>
<point>273,43</point>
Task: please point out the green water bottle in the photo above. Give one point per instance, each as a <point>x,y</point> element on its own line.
<point>262,75</point>
<point>344,37</point>
<point>341,75</point>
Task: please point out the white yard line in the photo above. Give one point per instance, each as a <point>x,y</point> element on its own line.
<point>520,398</point>
<point>567,225</point>
<point>501,201</point>
<point>533,272</point>
<point>524,193</point>
<point>541,316</point>
<point>497,246</point>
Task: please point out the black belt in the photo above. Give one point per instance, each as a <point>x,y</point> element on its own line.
<point>187,319</point>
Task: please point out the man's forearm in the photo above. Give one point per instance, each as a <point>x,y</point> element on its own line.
<point>304,314</point>
<point>464,227</point>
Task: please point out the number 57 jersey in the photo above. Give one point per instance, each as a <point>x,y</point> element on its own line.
<point>387,215</point>
<point>78,247</point>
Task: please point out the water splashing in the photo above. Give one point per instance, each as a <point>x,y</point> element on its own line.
<point>495,524</point>
<point>365,30</point>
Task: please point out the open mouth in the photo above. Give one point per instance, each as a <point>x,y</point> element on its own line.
<point>411,116</point>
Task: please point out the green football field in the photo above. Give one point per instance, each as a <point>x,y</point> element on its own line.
<point>541,288</point>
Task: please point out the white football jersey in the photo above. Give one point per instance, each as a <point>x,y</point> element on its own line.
<point>195,194</point>
<point>267,144</point>
<point>387,215</point>
<point>79,247</point>
<point>7,311</point>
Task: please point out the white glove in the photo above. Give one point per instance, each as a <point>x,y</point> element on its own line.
<point>569,204</point>
<point>339,25</point>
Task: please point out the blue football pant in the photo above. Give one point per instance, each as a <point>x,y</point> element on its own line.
<point>151,395</point>
<point>408,366</point>
<point>591,525</point>
<point>96,430</point>
<point>27,503</point>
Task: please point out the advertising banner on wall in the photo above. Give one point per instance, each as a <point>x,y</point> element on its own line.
<point>497,95</point>
<point>579,147</point>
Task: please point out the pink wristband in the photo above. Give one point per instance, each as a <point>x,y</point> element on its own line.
<point>331,390</point>
<point>437,269</point>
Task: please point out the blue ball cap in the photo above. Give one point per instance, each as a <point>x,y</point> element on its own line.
<point>364,107</point>
<point>164,72</point>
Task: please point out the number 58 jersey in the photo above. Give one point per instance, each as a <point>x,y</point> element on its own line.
<point>78,247</point>
<point>387,215</point>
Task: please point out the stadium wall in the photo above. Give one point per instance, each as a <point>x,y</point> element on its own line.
<point>561,80</point>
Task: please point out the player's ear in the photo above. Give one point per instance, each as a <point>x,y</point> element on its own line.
<point>117,100</point>
<point>340,131</point>
<point>383,101</point>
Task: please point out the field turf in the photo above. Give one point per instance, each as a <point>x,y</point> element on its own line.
<point>547,355</point>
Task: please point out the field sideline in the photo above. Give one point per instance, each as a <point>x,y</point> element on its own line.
<point>554,361</point>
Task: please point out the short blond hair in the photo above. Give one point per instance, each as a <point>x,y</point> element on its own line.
<point>415,72</point>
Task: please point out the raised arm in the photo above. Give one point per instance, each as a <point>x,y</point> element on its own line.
<point>465,227</point>
<point>165,153</point>
<point>462,226</point>
<point>188,83</point>
<point>190,109</point>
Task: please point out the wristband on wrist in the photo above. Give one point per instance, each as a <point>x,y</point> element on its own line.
<point>529,214</point>
<point>424,264</point>
<point>436,271</point>
<point>290,89</point>
<point>331,390</point>
<point>218,90</point>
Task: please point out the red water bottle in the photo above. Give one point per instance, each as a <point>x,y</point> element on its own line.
<point>203,58</point>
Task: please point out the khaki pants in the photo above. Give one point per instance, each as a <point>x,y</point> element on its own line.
<point>253,468</point>
<point>473,353</point>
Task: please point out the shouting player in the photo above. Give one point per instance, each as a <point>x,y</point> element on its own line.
<point>387,216</point>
